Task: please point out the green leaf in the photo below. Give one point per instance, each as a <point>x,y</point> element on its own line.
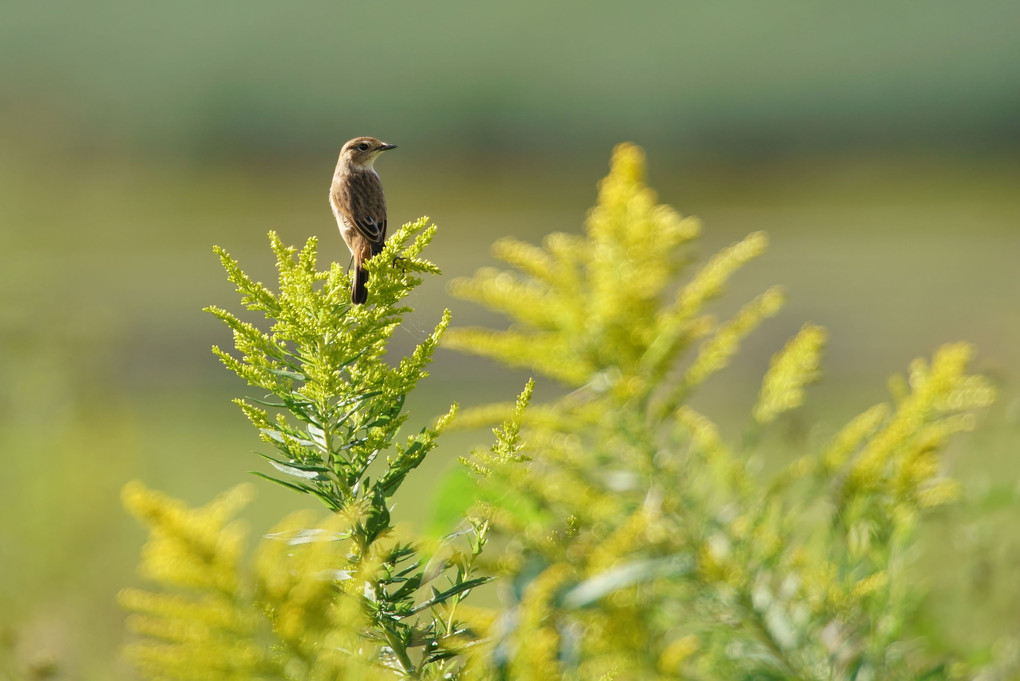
<point>297,488</point>
<point>591,590</point>
<point>306,470</point>
<point>441,597</point>
<point>455,494</point>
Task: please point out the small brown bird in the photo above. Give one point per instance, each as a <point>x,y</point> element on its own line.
<point>356,197</point>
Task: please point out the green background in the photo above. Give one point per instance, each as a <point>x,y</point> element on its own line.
<point>877,143</point>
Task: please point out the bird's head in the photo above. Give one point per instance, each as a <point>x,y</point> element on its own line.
<point>360,153</point>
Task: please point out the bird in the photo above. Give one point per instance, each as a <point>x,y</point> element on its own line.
<point>356,197</point>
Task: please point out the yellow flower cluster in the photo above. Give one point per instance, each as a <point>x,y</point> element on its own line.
<point>649,545</point>
<point>217,619</point>
<point>205,618</point>
<point>899,459</point>
<point>791,369</point>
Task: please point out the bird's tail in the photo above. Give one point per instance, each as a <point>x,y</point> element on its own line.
<point>359,292</point>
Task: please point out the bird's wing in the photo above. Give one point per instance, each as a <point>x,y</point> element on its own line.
<point>373,230</point>
<point>361,199</point>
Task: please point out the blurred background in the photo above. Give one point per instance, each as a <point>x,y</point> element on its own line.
<point>877,143</point>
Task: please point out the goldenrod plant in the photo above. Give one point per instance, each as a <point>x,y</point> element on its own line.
<point>635,538</point>
<point>350,596</point>
<point>642,544</point>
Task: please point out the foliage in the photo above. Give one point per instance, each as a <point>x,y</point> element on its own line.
<point>641,545</point>
<point>348,595</point>
<point>311,605</point>
<point>635,541</point>
<point>322,364</point>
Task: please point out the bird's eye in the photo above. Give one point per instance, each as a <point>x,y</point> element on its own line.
<point>363,147</point>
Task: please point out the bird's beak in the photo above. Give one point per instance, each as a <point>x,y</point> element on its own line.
<point>387,147</point>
